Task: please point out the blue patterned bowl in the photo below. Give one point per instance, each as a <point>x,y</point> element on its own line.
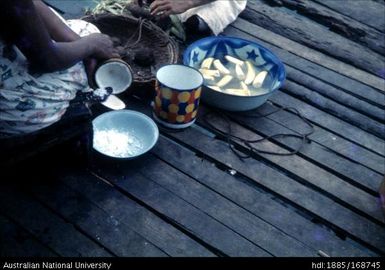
<point>259,56</point>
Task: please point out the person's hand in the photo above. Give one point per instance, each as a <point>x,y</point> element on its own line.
<point>168,7</point>
<point>102,46</point>
<point>90,64</point>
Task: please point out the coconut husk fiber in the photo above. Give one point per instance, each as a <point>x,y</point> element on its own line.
<point>141,44</point>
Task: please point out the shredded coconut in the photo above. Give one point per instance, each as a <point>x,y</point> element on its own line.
<point>117,143</point>
<point>100,92</point>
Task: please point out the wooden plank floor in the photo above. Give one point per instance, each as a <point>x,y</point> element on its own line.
<point>192,196</point>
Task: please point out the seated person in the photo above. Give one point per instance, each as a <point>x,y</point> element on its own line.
<point>43,64</point>
<point>201,16</point>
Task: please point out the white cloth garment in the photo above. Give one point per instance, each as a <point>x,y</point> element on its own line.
<point>31,102</point>
<point>218,14</point>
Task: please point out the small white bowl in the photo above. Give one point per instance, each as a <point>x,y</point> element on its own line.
<point>124,134</point>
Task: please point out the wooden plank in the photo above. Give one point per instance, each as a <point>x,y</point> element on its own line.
<point>326,142</point>
<point>278,213</point>
<point>280,184</point>
<point>136,217</point>
<point>366,12</point>
<point>379,98</point>
<point>293,191</point>
<point>104,227</point>
<point>46,226</point>
<point>345,161</point>
<point>359,177</point>
<point>334,141</point>
<point>313,35</point>
<point>339,110</point>
<point>340,82</point>
<point>336,22</point>
<point>351,171</point>
<point>241,221</point>
<point>310,54</point>
<point>335,94</point>
<point>17,242</point>
<point>331,123</point>
<point>180,212</point>
<point>309,173</point>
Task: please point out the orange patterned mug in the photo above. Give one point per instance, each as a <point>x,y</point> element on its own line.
<point>178,90</point>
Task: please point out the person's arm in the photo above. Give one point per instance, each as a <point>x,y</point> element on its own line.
<point>29,33</point>
<point>57,29</point>
<point>61,32</point>
<point>168,7</point>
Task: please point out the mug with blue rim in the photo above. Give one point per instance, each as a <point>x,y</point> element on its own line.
<point>178,91</point>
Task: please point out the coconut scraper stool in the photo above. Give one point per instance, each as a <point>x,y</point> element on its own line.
<point>75,125</point>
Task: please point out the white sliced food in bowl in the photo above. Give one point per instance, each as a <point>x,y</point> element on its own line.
<point>210,72</point>
<point>206,64</point>
<point>225,80</point>
<point>250,73</point>
<point>237,91</point>
<point>239,71</point>
<point>222,69</point>
<point>234,60</point>
<point>208,79</point>
<point>246,89</point>
<point>259,79</point>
